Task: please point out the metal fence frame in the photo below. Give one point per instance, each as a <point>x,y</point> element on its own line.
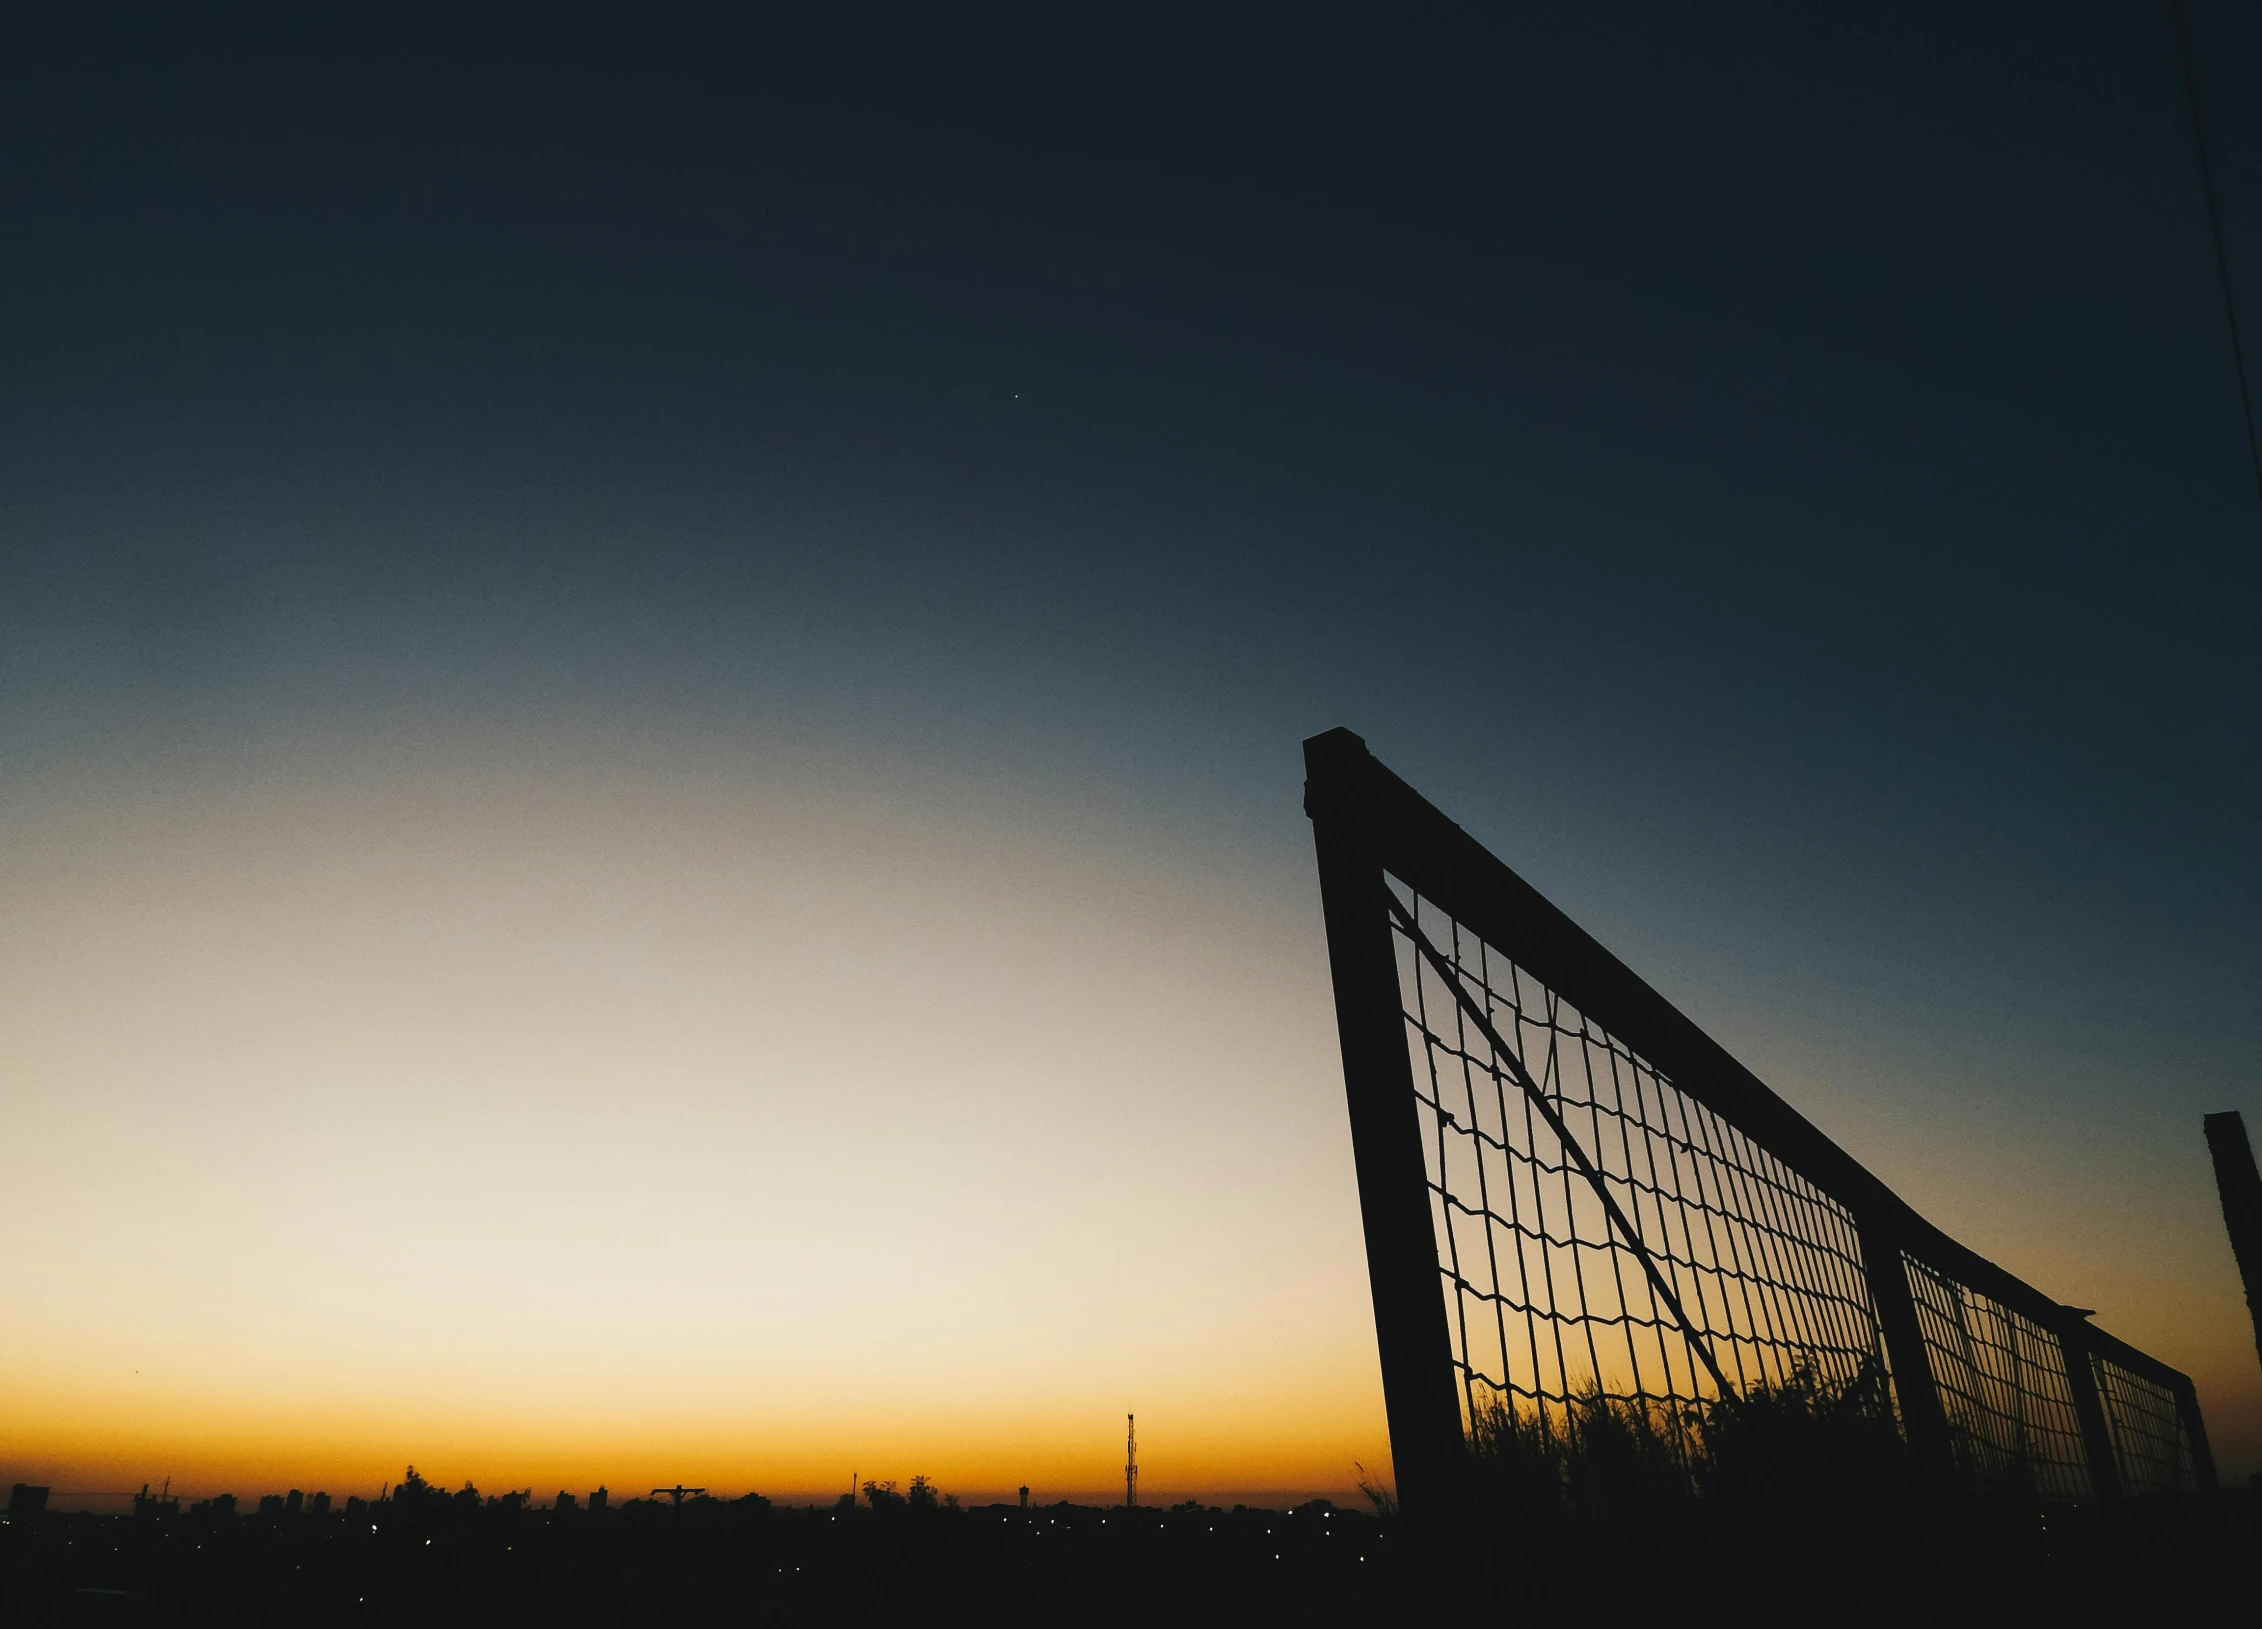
<point>2137,1419</point>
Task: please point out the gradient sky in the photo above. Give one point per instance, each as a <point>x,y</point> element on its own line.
<point>650,689</point>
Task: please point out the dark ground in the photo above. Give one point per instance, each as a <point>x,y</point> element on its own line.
<point>743,1562</point>
<point>709,1562</point>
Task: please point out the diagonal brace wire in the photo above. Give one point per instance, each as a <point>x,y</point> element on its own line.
<point>1555,1123</point>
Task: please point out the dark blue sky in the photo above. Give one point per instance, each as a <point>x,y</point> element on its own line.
<point>1774,472</point>
<point>1816,427</point>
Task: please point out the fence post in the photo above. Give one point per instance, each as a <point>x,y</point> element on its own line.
<point>2218,1518</point>
<point>2096,1432</point>
<point>1922,1417</point>
<point>1420,1398</point>
<point>2195,1434</point>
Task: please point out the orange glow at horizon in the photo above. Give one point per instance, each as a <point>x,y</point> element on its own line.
<point>748,1127</point>
<point>83,1439</point>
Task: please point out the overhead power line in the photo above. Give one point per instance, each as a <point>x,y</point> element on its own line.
<point>2215,226</point>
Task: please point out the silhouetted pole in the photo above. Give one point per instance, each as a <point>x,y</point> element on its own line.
<point>2241,1189</point>
<point>2096,1429</point>
<point>1420,1397</point>
<point>1924,1418</point>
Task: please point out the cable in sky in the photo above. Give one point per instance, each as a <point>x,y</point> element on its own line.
<point>2215,225</point>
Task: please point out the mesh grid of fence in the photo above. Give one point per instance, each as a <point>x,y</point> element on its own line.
<point>1751,1270</point>
<point>1671,1306</point>
<point>2003,1384</point>
<point>1548,1297</point>
<point>2150,1448</point>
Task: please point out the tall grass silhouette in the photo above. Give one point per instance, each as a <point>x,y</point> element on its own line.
<point>1609,1501</point>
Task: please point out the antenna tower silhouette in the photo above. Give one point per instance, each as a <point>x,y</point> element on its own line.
<point>1131,1461</point>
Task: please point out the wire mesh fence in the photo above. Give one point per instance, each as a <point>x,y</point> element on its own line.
<point>1583,1216</point>
<point>2151,1446</point>
<point>1715,1257</point>
<point>2005,1388</point>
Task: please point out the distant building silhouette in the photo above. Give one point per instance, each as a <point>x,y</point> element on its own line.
<point>1024,1496</point>
<point>319,1504</point>
<point>270,1504</point>
<point>26,1502</point>
<point>597,1500</point>
<point>567,1501</point>
<point>293,1502</point>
